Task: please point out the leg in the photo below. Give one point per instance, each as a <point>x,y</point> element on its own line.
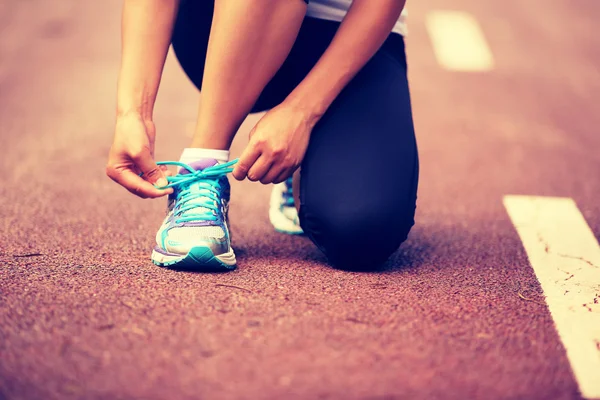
<point>359,176</point>
<point>237,56</point>
<point>190,43</point>
<point>370,121</point>
<point>247,44</point>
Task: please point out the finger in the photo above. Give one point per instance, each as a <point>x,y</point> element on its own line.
<point>271,174</point>
<point>284,175</point>
<point>259,168</point>
<point>247,159</point>
<point>151,172</point>
<point>166,170</point>
<point>135,184</point>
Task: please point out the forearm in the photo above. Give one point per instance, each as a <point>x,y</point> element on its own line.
<point>364,29</point>
<point>147,27</point>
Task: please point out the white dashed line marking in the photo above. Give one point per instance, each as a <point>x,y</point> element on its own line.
<point>565,256</point>
<point>458,41</point>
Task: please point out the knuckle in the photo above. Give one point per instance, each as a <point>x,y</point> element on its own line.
<point>243,167</point>
<point>278,151</point>
<point>137,154</point>
<point>288,162</point>
<point>152,173</point>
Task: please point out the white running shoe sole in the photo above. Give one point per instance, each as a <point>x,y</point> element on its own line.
<point>280,221</point>
<point>199,258</point>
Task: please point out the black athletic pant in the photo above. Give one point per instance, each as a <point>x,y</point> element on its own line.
<point>359,176</point>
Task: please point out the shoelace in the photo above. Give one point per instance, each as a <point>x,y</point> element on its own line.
<point>288,195</point>
<point>198,189</point>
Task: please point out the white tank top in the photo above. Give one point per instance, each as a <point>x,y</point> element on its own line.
<point>335,10</point>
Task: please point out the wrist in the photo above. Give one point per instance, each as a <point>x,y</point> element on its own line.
<point>135,102</point>
<point>135,113</point>
<point>128,112</point>
<point>133,116</point>
<point>310,107</point>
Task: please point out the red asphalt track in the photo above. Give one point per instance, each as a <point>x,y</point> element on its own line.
<point>85,315</point>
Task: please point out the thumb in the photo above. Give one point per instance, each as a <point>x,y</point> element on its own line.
<point>151,172</point>
<point>252,131</point>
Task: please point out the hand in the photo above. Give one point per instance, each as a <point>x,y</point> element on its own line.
<point>277,145</point>
<point>131,154</point>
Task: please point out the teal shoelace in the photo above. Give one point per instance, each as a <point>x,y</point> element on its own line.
<point>288,195</point>
<point>198,189</point>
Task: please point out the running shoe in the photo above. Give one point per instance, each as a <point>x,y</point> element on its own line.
<point>282,210</point>
<point>195,233</point>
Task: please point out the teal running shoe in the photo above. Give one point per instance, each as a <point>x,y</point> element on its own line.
<point>282,210</point>
<point>195,233</point>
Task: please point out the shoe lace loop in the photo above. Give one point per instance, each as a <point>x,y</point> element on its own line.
<point>199,191</point>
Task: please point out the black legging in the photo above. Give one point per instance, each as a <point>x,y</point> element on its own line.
<point>359,176</point>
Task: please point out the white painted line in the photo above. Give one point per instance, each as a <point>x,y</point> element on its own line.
<point>565,256</point>
<point>458,41</point>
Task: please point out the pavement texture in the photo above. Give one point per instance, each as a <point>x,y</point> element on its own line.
<point>456,313</point>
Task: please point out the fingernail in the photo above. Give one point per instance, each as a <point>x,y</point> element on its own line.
<point>162,182</point>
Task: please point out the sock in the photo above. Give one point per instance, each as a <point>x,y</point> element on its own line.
<point>191,154</point>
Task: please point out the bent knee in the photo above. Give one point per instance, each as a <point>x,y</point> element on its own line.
<point>358,239</point>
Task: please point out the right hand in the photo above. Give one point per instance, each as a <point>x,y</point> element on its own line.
<point>132,154</point>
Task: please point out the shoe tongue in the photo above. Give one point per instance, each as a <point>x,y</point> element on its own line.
<point>199,165</point>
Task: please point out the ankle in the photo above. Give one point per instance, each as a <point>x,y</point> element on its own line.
<point>216,136</point>
<point>191,154</point>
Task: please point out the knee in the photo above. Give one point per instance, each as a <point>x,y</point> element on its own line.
<point>360,237</point>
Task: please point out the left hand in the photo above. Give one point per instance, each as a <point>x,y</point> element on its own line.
<point>277,145</point>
